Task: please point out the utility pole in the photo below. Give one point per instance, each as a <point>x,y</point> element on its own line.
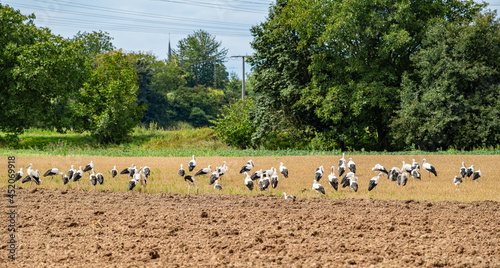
<point>242,76</point>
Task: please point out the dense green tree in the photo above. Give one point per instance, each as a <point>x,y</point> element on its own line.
<point>452,98</point>
<point>202,57</point>
<point>39,73</point>
<point>234,125</point>
<point>94,43</point>
<point>107,103</point>
<point>337,66</point>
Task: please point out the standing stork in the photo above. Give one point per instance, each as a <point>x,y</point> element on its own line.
<point>333,180</point>
<point>342,161</point>
<point>51,172</point>
<point>93,179</point>
<point>341,169</point>
<point>114,172</point>
<point>204,171</point>
<point>380,168</point>
<point>33,176</point>
<point>142,179</point>
<point>217,186</point>
<point>19,175</point>
<point>318,188</point>
<point>264,183</point>
<point>406,167</point>
<point>430,168</point>
<point>132,183</point>
<point>374,182</point>
<point>463,170</point>
<point>402,178</point>
<point>274,180</point>
<point>470,171</point>
<point>346,179</point>
<point>248,182</point>
<point>192,165</point>
<point>353,183</point>
<point>214,176</point>
<point>283,170</point>
<point>416,174</point>
<point>319,173</point>
<point>191,182</point>
<point>146,171</point>
<point>65,179</point>
<point>457,180</point>
<point>393,174</point>
<point>415,165</point>
<point>71,171</point>
<point>100,178</point>
<point>248,167</point>
<point>78,175</point>
<point>270,172</point>
<point>89,167</point>
<point>476,175</point>
<point>257,174</point>
<point>181,171</point>
<point>130,171</point>
<point>351,165</point>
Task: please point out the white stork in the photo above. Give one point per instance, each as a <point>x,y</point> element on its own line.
<point>130,171</point>
<point>288,196</point>
<point>333,180</point>
<point>217,186</point>
<point>114,172</point>
<point>246,168</point>
<point>476,175</point>
<point>274,180</point>
<point>132,183</point>
<point>191,182</point>
<point>416,174</point>
<point>215,176</point>
<point>380,168</point>
<point>223,169</point>
<point>19,175</point>
<point>457,180</point>
<point>78,175</point>
<point>342,161</point>
<point>346,179</point>
<point>415,165</point>
<point>142,179</point>
<point>204,171</point>
<point>89,167</point>
<point>406,167</point>
<point>51,172</point>
<point>192,164</point>
<point>351,165</point>
<point>283,170</point>
<point>319,173</point>
<point>374,182</point>
<point>393,174</point>
<point>93,179</point>
<point>71,171</point>
<point>318,188</point>
<point>353,183</point>
<point>470,171</point>
<point>402,178</point>
<point>100,178</point>
<point>463,170</point>
<point>264,183</point>
<point>146,171</point>
<point>65,179</point>
<point>181,171</point>
<point>430,168</point>
<point>270,172</point>
<point>341,169</point>
<point>257,174</point>
<point>248,182</point>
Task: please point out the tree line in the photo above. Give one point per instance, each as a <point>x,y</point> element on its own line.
<point>85,84</point>
<point>374,75</point>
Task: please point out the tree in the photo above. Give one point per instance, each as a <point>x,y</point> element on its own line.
<point>339,64</point>
<point>40,73</point>
<point>202,57</point>
<point>234,125</point>
<point>94,43</point>
<point>107,103</point>
<point>451,99</point>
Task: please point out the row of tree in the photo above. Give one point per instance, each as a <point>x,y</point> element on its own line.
<point>85,84</point>
<point>379,75</point>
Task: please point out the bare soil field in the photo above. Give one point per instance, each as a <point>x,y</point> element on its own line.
<point>426,223</point>
<point>59,227</point>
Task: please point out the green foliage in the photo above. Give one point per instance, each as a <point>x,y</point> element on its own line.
<point>234,125</point>
<point>107,103</point>
<point>452,97</point>
<point>202,57</point>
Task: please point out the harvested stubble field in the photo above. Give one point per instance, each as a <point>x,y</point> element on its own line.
<point>426,223</point>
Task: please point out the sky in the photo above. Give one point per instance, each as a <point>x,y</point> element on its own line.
<point>149,24</point>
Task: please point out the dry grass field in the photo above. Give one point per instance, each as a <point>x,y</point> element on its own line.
<point>301,169</point>
<point>59,226</point>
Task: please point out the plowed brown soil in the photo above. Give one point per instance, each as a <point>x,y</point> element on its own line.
<point>60,227</point>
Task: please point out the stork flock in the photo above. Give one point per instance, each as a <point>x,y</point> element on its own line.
<point>265,177</point>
